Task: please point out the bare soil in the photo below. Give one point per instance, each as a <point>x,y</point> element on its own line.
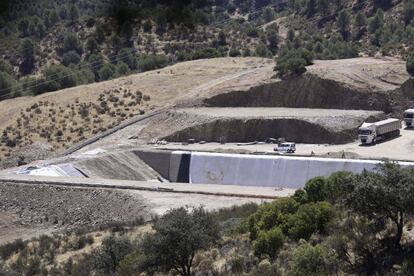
<point>257,124</point>
<point>32,210</point>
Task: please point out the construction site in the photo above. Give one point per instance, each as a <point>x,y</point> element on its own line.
<point>207,137</point>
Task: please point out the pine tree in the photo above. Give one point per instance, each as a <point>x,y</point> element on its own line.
<point>74,14</point>
<point>344,20</point>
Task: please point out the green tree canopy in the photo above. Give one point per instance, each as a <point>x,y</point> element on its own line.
<point>387,194</point>
<point>71,43</point>
<point>179,235</point>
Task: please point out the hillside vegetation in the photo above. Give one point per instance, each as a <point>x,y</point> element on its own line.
<point>54,44</point>
<point>344,224</point>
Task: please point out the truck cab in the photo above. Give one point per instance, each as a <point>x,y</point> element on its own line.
<point>286,147</point>
<point>367,133</point>
<point>409,117</point>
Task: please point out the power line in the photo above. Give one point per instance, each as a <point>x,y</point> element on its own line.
<point>28,88</point>
<point>123,56</point>
<point>85,66</point>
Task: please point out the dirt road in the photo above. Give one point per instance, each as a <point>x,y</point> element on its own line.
<point>400,148</point>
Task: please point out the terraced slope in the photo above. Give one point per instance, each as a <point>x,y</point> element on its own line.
<point>257,124</point>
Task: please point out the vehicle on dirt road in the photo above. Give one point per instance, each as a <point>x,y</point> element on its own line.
<point>409,117</point>
<point>370,133</point>
<point>286,147</point>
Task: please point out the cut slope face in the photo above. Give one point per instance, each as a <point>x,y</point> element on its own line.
<point>258,124</point>
<point>363,83</point>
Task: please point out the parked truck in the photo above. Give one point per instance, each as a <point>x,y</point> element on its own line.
<point>370,133</point>
<point>409,117</point>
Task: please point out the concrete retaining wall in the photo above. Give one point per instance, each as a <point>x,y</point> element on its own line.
<point>249,169</point>
<point>269,170</point>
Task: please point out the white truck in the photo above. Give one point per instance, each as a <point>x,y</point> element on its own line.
<point>370,133</point>
<point>409,117</point>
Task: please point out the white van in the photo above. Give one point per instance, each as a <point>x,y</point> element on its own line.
<point>286,147</point>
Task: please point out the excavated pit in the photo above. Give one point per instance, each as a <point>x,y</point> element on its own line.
<point>240,130</point>
<point>314,126</point>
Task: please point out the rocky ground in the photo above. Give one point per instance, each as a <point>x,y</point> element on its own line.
<point>32,210</point>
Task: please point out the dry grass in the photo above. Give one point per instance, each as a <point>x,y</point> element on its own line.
<point>68,116</point>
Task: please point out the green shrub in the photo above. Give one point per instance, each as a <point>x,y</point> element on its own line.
<point>309,219</point>
<point>151,62</point>
<point>7,85</point>
<point>271,215</point>
<point>410,65</point>
<point>179,235</point>
<point>293,62</point>
<point>11,248</point>
<point>71,57</point>
<point>5,66</point>
<point>113,250</point>
<point>311,260</point>
<point>338,185</point>
<point>122,68</point>
<point>269,242</point>
<point>107,72</point>
<point>316,189</point>
<point>206,53</point>
<point>71,42</point>
<point>57,77</point>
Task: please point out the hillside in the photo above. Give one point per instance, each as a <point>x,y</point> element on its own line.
<point>51,45</point>
<point>56,120</point>
<point>38,127</point>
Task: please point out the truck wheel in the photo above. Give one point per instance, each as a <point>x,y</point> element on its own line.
<point>374,141</point>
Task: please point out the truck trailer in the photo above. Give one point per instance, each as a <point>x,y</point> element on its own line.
<point>409,117</point>
<point>370,133</point>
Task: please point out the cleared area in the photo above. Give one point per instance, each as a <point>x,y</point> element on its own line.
<point>33,206</point>
<point>257,124</point>
<point>400,148</point>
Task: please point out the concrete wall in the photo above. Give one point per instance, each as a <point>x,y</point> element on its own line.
<point>269,170</point>
<point>173,166</point>
<point>248,169</point>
